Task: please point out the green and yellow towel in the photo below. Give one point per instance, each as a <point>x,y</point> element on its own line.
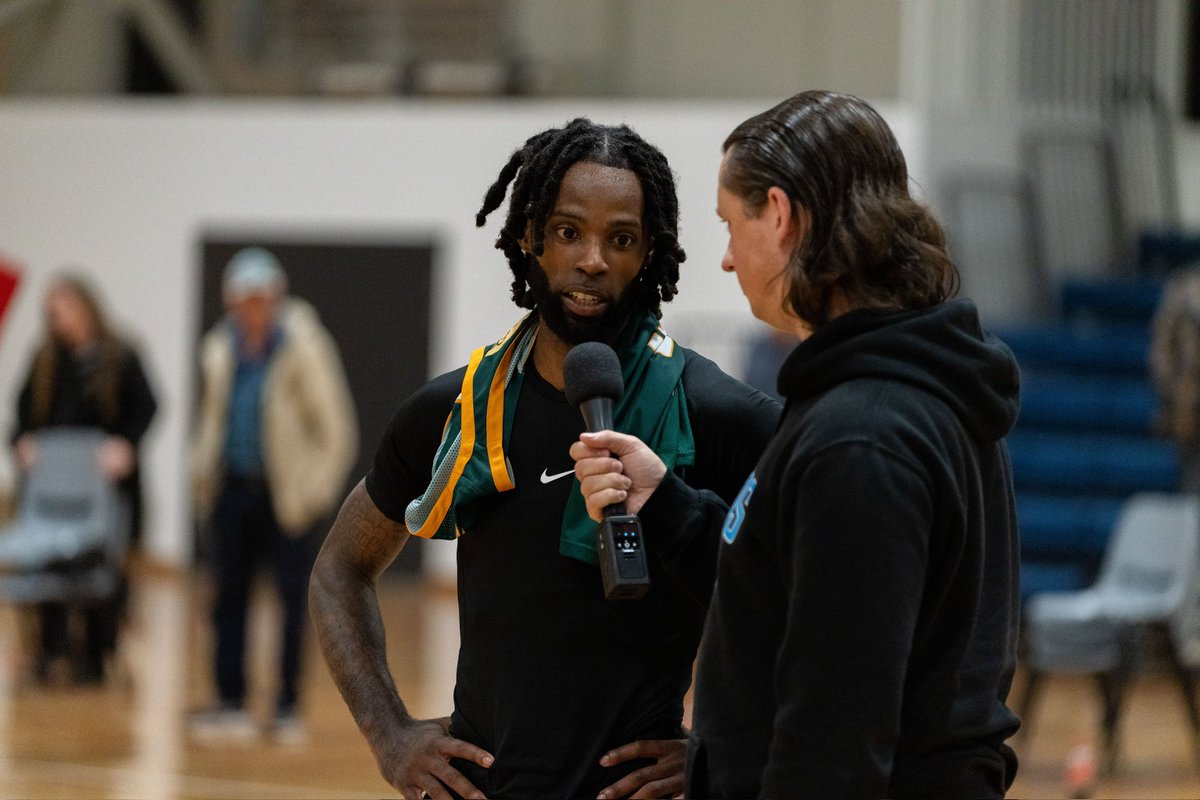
<point>471,461</point>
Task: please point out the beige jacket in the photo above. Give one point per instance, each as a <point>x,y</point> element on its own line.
<point>1175,357</point>
<point>310,433</point>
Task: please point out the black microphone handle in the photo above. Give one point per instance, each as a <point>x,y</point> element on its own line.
<point>598,416</point>
<point>615,510</point>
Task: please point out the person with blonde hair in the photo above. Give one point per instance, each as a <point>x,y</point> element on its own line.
<point>85,374</point>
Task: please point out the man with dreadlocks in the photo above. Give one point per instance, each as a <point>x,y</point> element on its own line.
<point>559,692</point>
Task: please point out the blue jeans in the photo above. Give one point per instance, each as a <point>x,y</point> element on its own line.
<point>244,533</point>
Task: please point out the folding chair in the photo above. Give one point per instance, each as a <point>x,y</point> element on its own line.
<point>71,534</point>
<point>1146,588</point>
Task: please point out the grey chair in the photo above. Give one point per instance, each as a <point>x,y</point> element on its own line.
<point>1147,594</point>
<point>71,533</point>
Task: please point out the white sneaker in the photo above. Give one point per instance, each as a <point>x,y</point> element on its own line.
<point>222,724</point>
<point>288,729</point>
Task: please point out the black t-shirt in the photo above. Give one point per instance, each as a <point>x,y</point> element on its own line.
<point>550,674</point>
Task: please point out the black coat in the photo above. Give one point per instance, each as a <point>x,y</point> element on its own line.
<point>862,636</point>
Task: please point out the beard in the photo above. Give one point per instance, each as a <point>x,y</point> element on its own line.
<point>571,328</point>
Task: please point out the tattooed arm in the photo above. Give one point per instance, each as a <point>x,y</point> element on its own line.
<point>413,755</point>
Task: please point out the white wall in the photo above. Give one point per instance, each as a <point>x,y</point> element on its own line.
<point>125,190</point>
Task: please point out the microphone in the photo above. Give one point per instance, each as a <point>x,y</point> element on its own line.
<point>592,382</point>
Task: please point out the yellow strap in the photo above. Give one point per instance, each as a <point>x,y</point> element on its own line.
<point>466,446</point>
<point>495,425</point>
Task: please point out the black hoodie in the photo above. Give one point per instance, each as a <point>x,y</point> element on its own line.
<point>862,635</point>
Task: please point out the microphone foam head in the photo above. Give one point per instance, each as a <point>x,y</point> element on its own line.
<point>590,370</point>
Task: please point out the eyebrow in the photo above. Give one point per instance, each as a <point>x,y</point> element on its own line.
<point>620,222</point>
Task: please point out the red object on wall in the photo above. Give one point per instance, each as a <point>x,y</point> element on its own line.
<point>9,278</point>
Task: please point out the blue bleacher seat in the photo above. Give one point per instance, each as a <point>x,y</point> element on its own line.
<point>1065,402</point>
<point>1160,251</point>
<point>1056,526</point>
<point>1087,349</point>
<point>1084,440</point>
<point>1118,300</point>
<point>1090,464</point>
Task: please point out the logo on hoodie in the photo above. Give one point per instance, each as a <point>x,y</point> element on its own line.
<point>737,512</point>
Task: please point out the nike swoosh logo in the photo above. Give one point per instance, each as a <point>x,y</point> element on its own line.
<point>547,478</point>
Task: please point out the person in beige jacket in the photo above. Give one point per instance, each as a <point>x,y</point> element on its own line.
<point>276,439</point>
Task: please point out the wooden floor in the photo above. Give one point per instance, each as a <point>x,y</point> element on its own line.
<point>126,739</point>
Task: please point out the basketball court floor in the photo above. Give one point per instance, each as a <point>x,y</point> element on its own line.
<point>126,739</point>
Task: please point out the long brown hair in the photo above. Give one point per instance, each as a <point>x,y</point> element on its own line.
<point>105,384</point>
<point>837,159</point>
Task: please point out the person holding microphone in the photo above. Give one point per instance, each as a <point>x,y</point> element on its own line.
<point>861,639</point>
<point>560,691</point>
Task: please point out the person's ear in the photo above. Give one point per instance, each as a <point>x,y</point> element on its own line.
<point>790,226</point>
<point>526,241</point>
